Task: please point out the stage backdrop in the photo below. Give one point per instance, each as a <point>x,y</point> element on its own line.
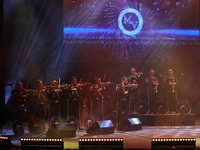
<point>52,39</point>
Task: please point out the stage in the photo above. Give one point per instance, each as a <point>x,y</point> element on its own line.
<point>140,139</point>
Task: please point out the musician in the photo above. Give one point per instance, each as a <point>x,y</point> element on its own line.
<point>97,91</point>
<point>75,91</point>
<point>134,76</point>
<point>53,95</point>
<point>134,92</point>
<point>54,83</point>
<point>41,103</point>
<point>20,97</point>
<point>152,83</point>
<point>171,84</point>
<point>123,99</point>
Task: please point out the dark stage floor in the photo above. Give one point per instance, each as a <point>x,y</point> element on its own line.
<point>140,139</point>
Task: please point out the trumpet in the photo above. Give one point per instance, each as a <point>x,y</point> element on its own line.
<point>156,85</point>
<point>172,84</point>
<point>137,74</point>
<point>140,74</point>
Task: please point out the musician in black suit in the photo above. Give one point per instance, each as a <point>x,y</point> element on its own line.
<point>171,82</point>
<point>134,92</point>
<point>53,95</point>
<point>152,83</point>
<point>134,76</point>
<point>20,98</point>
<point>41,101</point>
<point>123,98</point>
<point>75,95</point>
<point>98,97</point>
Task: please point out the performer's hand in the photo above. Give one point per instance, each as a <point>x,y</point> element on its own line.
<point>173,83</point>
<point>99,90</point>
<point>156,83</point>
<point>109,83</point>
<point>126,92</point>
<point>24,96</point>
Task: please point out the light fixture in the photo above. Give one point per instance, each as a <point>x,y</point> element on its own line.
<point>100,143</point>
<point>42,143</point>
<point>173,143</point>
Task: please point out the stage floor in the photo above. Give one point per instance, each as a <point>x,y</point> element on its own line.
<point>132,140</point>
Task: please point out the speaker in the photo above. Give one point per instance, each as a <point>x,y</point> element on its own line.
<point>173,143</point>
<point>101,127</point>
<point>36,126</point>
<point>62,130</point>
<point>101,143</point>
<point>18,128</point>
<point>42,144</point>
<point>132,124</point>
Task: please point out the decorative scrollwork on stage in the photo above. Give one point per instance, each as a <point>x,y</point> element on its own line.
<point>183,107</point>
<point>142,107</point>
<point>73,120</point>
<point>88,121</point>
<point>160,107</point>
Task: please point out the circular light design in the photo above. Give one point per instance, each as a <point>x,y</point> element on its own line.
<point>140,21</point>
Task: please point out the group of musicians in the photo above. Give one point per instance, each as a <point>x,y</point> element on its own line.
<point>82,99</point>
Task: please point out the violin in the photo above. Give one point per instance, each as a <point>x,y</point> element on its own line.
<point>135,75</point>
<point>30,90</point>
<point>85,83</point>
<point>131,85</point>
<point>106,83</point>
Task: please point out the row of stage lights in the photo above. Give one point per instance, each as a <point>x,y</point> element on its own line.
<point>173,139</point>
<point>3,138</point>
<point>43,139</point>
<point>100,140</point>
<point>84,142</point>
